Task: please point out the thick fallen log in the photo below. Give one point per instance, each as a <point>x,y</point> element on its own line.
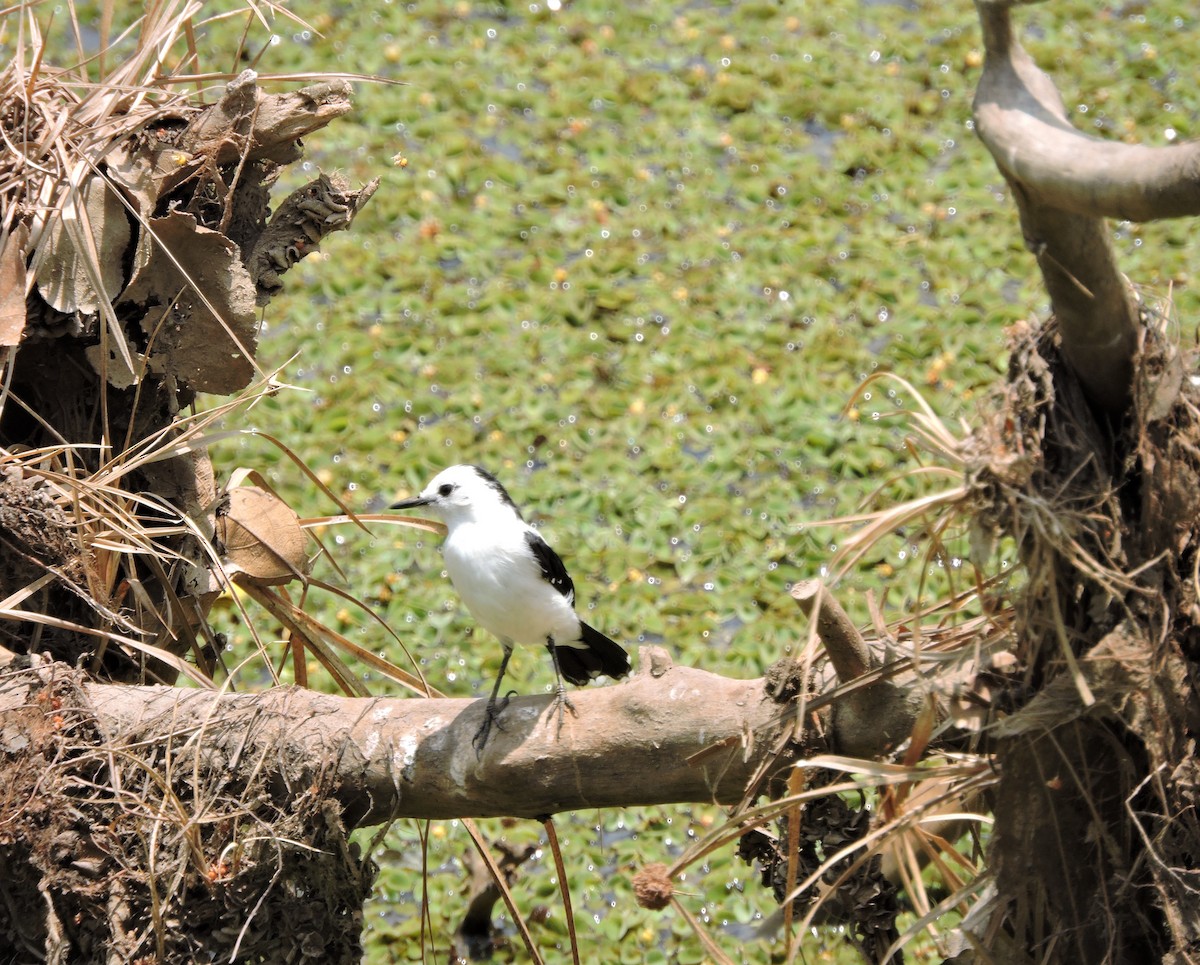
<point>635,743</point>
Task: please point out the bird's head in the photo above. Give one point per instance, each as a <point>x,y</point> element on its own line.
<point>462,494</point>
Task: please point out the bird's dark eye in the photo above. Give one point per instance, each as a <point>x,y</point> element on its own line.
<point>445,489</point>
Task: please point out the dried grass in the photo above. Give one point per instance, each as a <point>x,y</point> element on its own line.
<point>109,505</point>
<point>1060,679</point>
<point>114,470</point>
<point>145,852</point>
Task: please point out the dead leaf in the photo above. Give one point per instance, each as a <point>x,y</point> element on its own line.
<point>199,303</point>
<point>129,166</point>
<point>263,538</point>
<point>80,264</point>
<point>12,287</point>
<point>111,366</point>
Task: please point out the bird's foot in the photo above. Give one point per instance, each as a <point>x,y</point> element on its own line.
<point>563,702</point>
<point>491,716</point>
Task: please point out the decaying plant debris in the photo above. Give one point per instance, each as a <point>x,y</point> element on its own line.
<point>138,226</point>
<point>1105,640</point>
<point>1075,687</point>
<point>137,242</point>
<point>142,853</point>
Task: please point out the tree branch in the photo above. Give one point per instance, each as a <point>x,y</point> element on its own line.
<point>848,651</point>
<point>1055,173</point>
<point>1028,128</point>
<point>629,744</point>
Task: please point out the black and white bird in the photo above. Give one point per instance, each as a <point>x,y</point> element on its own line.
<point>513,583</point>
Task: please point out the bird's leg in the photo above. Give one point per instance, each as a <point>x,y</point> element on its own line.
<point>493,709</point>
<point>561,699</point>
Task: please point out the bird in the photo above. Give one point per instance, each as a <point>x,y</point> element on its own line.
<point>513,584</point>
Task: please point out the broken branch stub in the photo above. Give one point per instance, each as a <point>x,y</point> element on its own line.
<point>866,720</point>
<point>270,125</point>
<point>847,649</point>
<point>245,126</point>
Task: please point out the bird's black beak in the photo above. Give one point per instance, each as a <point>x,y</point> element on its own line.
<point>411,503</point>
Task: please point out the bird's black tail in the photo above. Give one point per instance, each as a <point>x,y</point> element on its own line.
<point>592,656</point>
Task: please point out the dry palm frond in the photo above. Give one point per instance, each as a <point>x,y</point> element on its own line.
<point>931,512</point>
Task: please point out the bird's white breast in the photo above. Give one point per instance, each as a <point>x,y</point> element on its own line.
<point>495,573</point>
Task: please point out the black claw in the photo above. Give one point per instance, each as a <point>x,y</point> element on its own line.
<point>494,707</point>
<point>490,716</point>
<point>481,736</point>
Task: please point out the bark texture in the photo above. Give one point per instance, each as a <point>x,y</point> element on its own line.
<point>386,758</point>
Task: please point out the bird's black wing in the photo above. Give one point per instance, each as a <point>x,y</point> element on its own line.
<point>553,571</point>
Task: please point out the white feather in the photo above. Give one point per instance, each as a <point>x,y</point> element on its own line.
<point>491,564</point>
